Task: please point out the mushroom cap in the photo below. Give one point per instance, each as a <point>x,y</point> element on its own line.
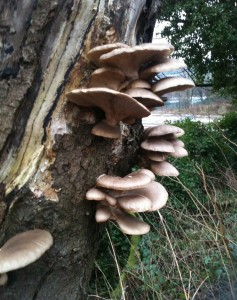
<point>23,249</point>
<point>117,106</point>
<point>130,224</point>
<point>110,78</point>
<point>162,130</point>
<point>177,142</point>
<point>157,144</point>
<point>95,53</point>
<point>155,192</point>
<point>164,168</point>
<point>172,84</point>
<point>138,84</point>
<point>104,129</point>
<point>147,172</point>
<point>98,195</point>
<point>147,98</point>
<point>165,65</point>
<point>179,152</point>
<point>103,213</point>
<point>134,203</point>
<point>156,156</point>
<point>129,60</point>
<point>131,181</point>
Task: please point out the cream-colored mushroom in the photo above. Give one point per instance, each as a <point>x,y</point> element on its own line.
<point>23,249</point>
<point>131,181</point>
<point>130,224</point>
<point>117,106</point>
<point>164,168</point>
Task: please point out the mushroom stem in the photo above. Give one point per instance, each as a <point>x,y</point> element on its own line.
<point>3,279</point>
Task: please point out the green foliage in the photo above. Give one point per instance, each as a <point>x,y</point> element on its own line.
<point>228,125</point>
<point>205,34</point>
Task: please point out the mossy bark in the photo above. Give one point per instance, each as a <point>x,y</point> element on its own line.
<point>48,157</point>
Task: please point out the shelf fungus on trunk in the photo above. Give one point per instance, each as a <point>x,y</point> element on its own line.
<point>22,250</point>
<point>116,106</point>
<point>136,192</point>
<point>130,60</point>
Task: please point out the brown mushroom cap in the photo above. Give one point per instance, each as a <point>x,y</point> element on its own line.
<point>131,181</point>
<point>155,192</point>
<point>164,168</point>
<point>172,84</point>
<point>130,224</point>
<point>138,84</point>
<point>179,152</point>
<point>165,65</point>
<point>148,173</point>
<point>98,195</point>
<point>110,78</point>
<point>157,144</point>
<point>129,60</point>
<point>156,156</point>
<point>163,130</point>
<point>117,106</point>
<point>176,142</point>
<point>104,129</point>
<point>103,213</point>
<point>24,249</point>
<point>147,98</point>
<point>134,203</point>
<point>95,53</point>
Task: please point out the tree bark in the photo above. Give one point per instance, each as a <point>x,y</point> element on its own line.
<point>48,157</point>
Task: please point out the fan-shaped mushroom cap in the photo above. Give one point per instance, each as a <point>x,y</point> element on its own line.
<point>138,84</point>
<point>157,144</point>
<point>179,152</point>
<point>110,78</point>
<point>103,213</point>
<point>164,168</point>
<point>177,142</point>
<point>104,129</point>
<point>132,181</point>
<point>163,130</point>
<point>148,173</point>
<point>172,84</point>
<point>117,106</point>
<point>24,249</point>
<point>98,195</point>
<point>147,98</point>
<point>130,224</point>
<point>134,203</point>
<point>153,191</point>
<point>156,156</point>
<point>95,53</point>
<point>129,60</point>
<point>165,65</point>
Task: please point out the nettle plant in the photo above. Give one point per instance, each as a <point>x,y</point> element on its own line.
<point>123,87</point>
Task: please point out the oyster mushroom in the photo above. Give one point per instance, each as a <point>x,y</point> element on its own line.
<point>23,249</point>
<point>129,60</point>
<point>117,106</point>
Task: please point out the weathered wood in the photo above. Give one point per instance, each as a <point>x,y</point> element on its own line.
<point>48,157</point>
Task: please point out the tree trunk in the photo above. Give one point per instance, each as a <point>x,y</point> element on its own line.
<point>48,157</point>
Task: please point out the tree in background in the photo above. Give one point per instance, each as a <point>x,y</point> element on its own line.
<point>204,32</point>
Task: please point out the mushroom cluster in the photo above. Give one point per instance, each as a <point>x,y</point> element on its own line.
<point>22,250</point>
<point>121,86</point>
<point>118,197</point>
<point>159,143</point>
